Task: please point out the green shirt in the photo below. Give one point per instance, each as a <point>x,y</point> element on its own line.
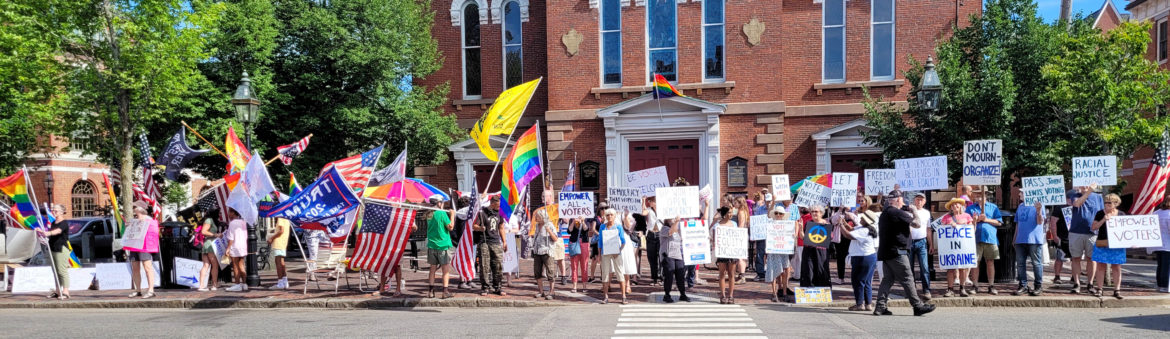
<point>438,238</point>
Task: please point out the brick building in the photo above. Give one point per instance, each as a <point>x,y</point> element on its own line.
<point>771,87</point>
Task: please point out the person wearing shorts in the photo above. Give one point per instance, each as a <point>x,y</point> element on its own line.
<point>278,242</point>
<point>439,246</point>
<point>1081,238</point>
<point>544,266</point>
<point>611,263</point>
<point>237,237</point>
<point>1058,226</point>
<point>987,218</point>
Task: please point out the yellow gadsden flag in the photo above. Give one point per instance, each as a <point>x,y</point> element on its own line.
<point>502,117</point>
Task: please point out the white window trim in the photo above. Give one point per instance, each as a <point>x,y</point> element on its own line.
<point>504,43</point>
<point>649,66</point>
<point>1158,42</point>
<point>844,60</point>
<point>601,44</point>
<point>498,10</point>
<point>457,12</point>
<point>463,51</point>
<point>703,36</point>
<point>893,39</point>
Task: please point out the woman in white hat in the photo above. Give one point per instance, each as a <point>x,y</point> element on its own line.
<point>778,267</point>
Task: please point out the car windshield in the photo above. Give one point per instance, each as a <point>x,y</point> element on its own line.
<point>75,226</point>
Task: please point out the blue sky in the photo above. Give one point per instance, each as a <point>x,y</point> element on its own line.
<point>1050,9</point>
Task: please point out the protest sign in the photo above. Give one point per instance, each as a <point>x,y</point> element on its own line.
<point>1048,190</point>
<point>1067,211</point>
<point>81,278</point>
<point>879,181</point>
<point>759,227</point>
<point>781,237</point>
<point>813,295</point>
<point>682,202</point>
<point>844,190</point>
<point>956,246</point>
<point>1094,170</point>
<point>780,188</point>
<point>705,194</point>
<point>135,235</point>
<point>512,255</point>
<point>35,279</point>
<point>982,160</point>
<point>625,199</point>
<point>116,276</point>
<point>921,174</point>
<point>818,235</point>
<point>813,194</point>
<point>187,272</point>
<point>731,242</point>
<point>696,244</point>
<point>1130,231</point>
<point>573,205</point>
<point>648,179</point>
<point>611,242</point>
<point>328,197</point>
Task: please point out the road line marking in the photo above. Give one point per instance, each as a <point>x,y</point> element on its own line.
<point>679,306</point>
<point>685,325</point>
<point>682,311</point>
<point>682,320</point>
<point>674,314</point>
<point>692,331</point>
<point>697,336</point>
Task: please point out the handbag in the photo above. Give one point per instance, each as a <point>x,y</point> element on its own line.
<point>1103,243</point>
<point>575,248</point>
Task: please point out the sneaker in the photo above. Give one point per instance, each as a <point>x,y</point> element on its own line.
<point>1036,292</point>
<point>1021,290</point>
<point>684,298</point>
<point>923,310</point>
<point>1164,290</point>
<point>837,281</point>
<point>992,290</point>
<point>667,299</point>
<point>236,288</point>
<point>963,293</point>
<point>1076,289</point>
<point>973,291</point>
<point>926,295</point>
<point>1057,280</point>
<point>948,294</point>
<point>884,311</point>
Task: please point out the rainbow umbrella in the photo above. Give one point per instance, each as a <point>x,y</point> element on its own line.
<point>409,190</point>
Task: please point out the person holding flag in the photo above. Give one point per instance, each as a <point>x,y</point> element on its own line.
<point>58,235</point>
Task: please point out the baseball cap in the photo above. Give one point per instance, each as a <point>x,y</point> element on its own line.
<point>894,195</point>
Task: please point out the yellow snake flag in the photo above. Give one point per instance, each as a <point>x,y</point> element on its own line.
<point>503,116</point>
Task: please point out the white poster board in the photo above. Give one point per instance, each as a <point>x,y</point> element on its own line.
<point>921,174</point>
<point>187,272</point>
<point>81,278</point>
<point>648,179</point>
<point>573,205</point>
<point>813,194</point>
<point>696,243</point>
<point>33,279</point>
<point>781,237</point>
<point>780,188</point>
<point>844,190</point>
<point>135,236</point>
<point>982,162</point>
<point>116,276</point>
<point>1094,170</point>
<point>1048,190</point>
<point>759,227</point>
<point>512,255</point>
<point>682,202</point>
<point>1132,231</point>
<point>731,242</point>
<point>625,199</point>
<point>879,181</point>
<point>956,246</point>
<point>611,242</point>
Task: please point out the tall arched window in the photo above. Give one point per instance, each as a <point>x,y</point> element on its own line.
<point>611,42</point>
<point>713,40</point>
<point>661,29</point>
<point>84,199</point>
<point>471,77</point>
<point>513,55</point>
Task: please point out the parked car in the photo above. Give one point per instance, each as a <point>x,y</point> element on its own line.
<point>101,247</point>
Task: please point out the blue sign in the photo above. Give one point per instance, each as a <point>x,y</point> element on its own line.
<point>328,197</point>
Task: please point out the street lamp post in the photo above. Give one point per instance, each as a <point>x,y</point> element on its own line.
<point>247,111</point>
<point>49,188</point>
<point>929,95</point>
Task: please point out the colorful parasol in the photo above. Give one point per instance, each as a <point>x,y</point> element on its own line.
<point>409,190</point>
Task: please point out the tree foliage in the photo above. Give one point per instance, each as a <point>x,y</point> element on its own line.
<point>30,76</point>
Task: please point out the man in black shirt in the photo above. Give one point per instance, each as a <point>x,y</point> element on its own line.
<point>893,251</point>
<point>488,234</point>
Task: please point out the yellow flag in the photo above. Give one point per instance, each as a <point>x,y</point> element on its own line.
<point>503,116</point>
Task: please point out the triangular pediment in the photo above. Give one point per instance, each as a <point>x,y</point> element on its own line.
<point>646,104</point>
<point>849,129</point>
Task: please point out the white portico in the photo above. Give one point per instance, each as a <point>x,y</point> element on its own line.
<point>841,140</point>
<point>467,156</point>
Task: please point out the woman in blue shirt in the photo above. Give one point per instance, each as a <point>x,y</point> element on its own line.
<point>1029,244</point>
<point>611,262</point>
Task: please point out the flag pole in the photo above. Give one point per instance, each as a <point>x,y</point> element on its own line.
<point>402,188</point>
<point>545,184</point>
<point>205,140</point>
<point>305,289</point>
<point>32,194</point>
<point>657,98</point>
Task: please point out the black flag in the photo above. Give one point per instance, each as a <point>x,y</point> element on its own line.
<point>177,154</point>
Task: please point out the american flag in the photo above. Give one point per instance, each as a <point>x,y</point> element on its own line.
<point>215,198</point>
<point>391,174</point>
<point>144,149</point>
<point>356,169</point>
<point>570,179</point>
<point>464,260</point>
<point>115,176</point>
<point>150,194</point>
<point>1154,188</point>
<point>290,151</point>
<point>383,237</point>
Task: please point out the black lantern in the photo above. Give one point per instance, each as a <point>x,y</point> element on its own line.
<point>49,187</point>
<point>247,107</point>
<point>930,90</point>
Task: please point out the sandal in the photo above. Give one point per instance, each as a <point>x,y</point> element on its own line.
<point>775,298</point>
<point>605,301</point>
<point>148,295</point>
<point>1117,294</point>
<point>624,301</point>
<point>447,293</point>
<point>134,294</point>
<point>431,291</point>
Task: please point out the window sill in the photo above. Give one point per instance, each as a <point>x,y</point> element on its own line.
<point>849,86</point>
<point>483,103</point>
<point>625,91</point>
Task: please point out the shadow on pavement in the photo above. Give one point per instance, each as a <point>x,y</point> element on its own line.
<point>1146,322</point>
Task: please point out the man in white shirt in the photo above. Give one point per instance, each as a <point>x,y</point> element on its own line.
<point>921,243</point>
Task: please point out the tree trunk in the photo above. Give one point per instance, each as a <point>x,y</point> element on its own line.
<point>126,162</point>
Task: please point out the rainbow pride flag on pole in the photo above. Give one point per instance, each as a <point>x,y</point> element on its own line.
<point>23,210</point>
<point>663,89</point>
<point>293,186</point>
<point>520,167</point>
<point>118,224</point>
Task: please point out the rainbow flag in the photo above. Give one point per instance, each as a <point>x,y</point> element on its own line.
<point>121,226</point>
<point>74,262</point>
<point>293,186</point>
<point>24,211</point>
<point>663,89</point>
<point>520,167</point>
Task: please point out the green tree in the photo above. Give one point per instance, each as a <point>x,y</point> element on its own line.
<point>30,76</point>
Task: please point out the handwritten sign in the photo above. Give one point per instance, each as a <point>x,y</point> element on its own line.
<point>781,237</point>
<point>682,202</point>
<point>879,181</point>
<point>135,236</point>
<point>759,227</point>
<point>611,242</point>
<point>813,295</point>
<point>1094,170</point>
<point>1067,211</point>
<point>844,190</point>
<point>921,174</point>
<point>572,205</point>
<point>511,261</point>
<point>187,272</point>
<point>1130,231</point>
<point>982,162</point>
<point>1048,190</point>
<point>696,244</point>
<point>116,276</point>
<point>956,246</point>
<point>648,180</point>
<point>625,199</point>
<point>37,279</point>
<point>731,242</point>
<point>81,278</point>
<point>780,189</point>
<point>813,194</point>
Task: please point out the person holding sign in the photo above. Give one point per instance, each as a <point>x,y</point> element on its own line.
<point>611,261</point>
<point>815,260</point>
<point>1102,254</point>
<point>894,251</point>
<point>674,271</point>
<point>142,259</point>
<point>579,248</point>
<point>778,266</point>
<point>1085,206</point>
<point>1029,244</point>
<point>956,217</point>
<point>863,254</point>
<point>987,219</point>
<point>1162,253</point>
<point>727,266</point>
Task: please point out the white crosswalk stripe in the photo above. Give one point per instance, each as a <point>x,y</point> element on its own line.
<point>684,321</point>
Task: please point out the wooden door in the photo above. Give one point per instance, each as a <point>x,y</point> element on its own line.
<point>681,157</point>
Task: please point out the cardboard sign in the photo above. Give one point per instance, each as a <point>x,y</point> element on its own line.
<point>818,235</point>
<point>1094,170</point>
<point>1130,231</point>
<point>813,295</point>
<point>116,276</point>
<point>512,255</point>
<point>135,236</point>
<point>813,194</point>
<point>781,237</point>
<point>921,174</point>
<point>648,180</point>
<point>574,205</point>
<point>879,181</point>
<point>81,278</point>
<point>696,243</point>
<point>731,242</point>
<point>1067,211</point>
<point>187,272</point>
<point>611,242</point>
<point>982,162</point>
<point>844,190</point>
<point>956,246</point>
<point>625,199</point>
<point>220,246</point>
<point>682,202</point>
<point>1048,190</point>
<point>780,188</point>
<point>759,227</point>
<point>36,279</point>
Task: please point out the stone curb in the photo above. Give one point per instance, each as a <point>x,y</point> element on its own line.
<point>1087,302</point>
<point>322,303</point>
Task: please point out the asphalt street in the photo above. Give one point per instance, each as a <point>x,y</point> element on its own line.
<point>596,321</point>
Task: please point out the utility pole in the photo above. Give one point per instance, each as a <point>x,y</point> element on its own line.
<point>1065,11</point>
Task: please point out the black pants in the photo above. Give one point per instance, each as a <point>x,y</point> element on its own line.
<point>652,255</point>
<point>1162,274</point>
<point>842,253</point>
<point>674,272</point>
<point>814,267</point>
